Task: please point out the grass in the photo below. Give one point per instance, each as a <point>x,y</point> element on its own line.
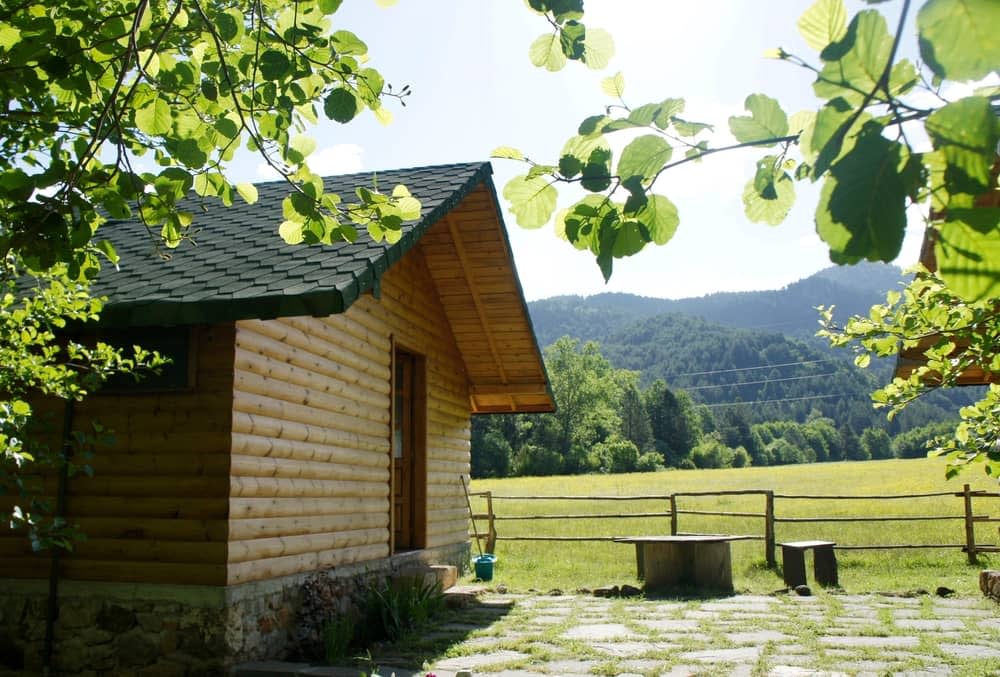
<point>546,565</point>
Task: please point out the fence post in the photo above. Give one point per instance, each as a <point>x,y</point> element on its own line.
<point>970,526</point>
<point>673,514</point>
<point>769,528</point>
<point>491,531</point>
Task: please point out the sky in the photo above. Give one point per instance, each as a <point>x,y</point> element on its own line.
<point>473,89</point>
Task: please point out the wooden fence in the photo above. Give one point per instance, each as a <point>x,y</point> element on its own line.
<point>768,516</point>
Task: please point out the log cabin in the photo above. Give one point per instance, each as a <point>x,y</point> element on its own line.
<point>315,419</point>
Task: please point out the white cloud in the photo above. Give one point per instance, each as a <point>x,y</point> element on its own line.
<point>340,158</point>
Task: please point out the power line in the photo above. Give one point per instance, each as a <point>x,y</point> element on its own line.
<point>786,399</point>
<point>764,366</point>
<point>767,380</point>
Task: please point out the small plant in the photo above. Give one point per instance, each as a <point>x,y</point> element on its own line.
<point>337,634</point>
<point>394,608</point>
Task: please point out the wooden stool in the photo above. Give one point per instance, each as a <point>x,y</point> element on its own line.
<point>793,562</point>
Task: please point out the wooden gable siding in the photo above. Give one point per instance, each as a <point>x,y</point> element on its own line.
<point>311,431</point>
<point>472,268</point>
<point>156,508</point>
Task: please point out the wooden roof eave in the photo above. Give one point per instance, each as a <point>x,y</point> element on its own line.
<point>497,387</point>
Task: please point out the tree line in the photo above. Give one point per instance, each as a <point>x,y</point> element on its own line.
<point>607,422</point>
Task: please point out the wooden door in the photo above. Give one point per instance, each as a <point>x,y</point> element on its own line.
<point>408,475</point>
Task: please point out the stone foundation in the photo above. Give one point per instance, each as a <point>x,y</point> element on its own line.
<point>989,583</point>
<point>157,629</point>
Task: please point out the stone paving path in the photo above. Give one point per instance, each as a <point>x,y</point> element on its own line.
<point>779,636</point>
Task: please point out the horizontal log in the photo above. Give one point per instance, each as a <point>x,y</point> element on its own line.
<point>190,507</point>
<point>449,538</point>
<point>448,527</point>
<point>269,527</point>
<point>188,462</point>
<point>454,513</point>
<point>292,487</point>
<point>281,340</point>
<point>116,550</point>
<point>256,466</point>
<point>135,527</point>
<point>243,572</point>
<point>143,572</point>
<point>146,485</point>
<point>365,347</point>
<point>257,445</point>
<point>367,432</point>
<point>269,548</point>
<point>248,362</point>
<point>296,506</point>
<point>266,426</point>
<point>313,394</point>
<point>173,441</point>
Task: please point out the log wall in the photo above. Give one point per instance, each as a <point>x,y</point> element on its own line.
<point>311,431</point>
<point>156,508</point>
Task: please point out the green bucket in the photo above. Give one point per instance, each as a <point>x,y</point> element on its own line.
<point>484,566</point>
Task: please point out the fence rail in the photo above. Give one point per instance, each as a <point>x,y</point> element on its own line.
<point>768,516</point>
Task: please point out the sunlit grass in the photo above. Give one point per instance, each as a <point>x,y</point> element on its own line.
<point>545,565</point>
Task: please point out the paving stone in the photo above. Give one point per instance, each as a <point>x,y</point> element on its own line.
<point>670,625</point>
<point>739,607</point>
<point>698,614</point>
<point>876,642</point>
<point>480,660</point>
<point>598,631</point>
<point>749,653</point>
<point>569,667</point>
<point>683,671</point>
<point>931,624</point>
<point>935,671</point>
<point>742,671</point>
<point>547,620</point>
<point>797,671</point>
<point>508,673</point>
<point>757,637</point>
<point>990,624</point>
<point>959,612</point>
<point>906,613</point>
<point>970,650</point>
<point>641,666</point>
<point>631,649</point>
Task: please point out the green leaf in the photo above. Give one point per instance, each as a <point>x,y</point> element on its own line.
<point>967,132</point>
<point>598,48</point>
<point>824,22</point>
<point>643,157</point>
<point>660,218</point>
<point>614,85</point>
<point>507,153</point>
<point>546,52</point>
<point>341,105</point>
<point>248,192</point>
<point>571,35</point>
<point>154,118</point>
<point>767,121</point>
<point>300,147</point>
<point>959,39</point>
<point>862,207</point>
<point>688,128</point>
<point>968,252</point>
<point>855,63</point>
<point>347,43</point>
<point>773,207</point>
<point>291,232</point>
<point>9,36</point>
<point>532,200</point>
<point>578,152</point>
<point>274,65</point>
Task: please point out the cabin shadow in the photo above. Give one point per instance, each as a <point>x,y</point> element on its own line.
<point>457,623</point>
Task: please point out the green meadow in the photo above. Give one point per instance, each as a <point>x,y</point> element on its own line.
<point>569,565</point>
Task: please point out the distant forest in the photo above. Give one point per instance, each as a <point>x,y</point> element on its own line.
<point>728,379</point>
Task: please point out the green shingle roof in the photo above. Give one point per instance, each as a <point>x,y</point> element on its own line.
<point>240,268</point>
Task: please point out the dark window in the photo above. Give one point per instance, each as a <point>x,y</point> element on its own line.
<point>174,343</point>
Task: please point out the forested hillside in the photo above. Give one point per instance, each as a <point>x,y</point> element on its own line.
<point>723,380</point>
<point>790,311</point>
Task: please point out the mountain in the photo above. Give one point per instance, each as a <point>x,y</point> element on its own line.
<point>754,350</point>
<point>790,311</point>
